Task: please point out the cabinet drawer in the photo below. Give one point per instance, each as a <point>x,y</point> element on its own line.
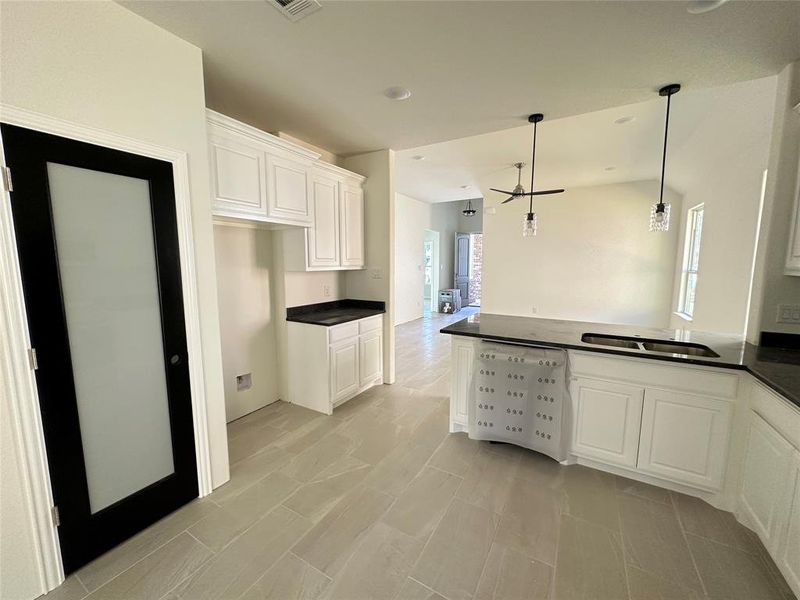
<point>342,332</point>
<point>370,324</point>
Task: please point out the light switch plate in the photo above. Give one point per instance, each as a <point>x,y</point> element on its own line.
<point>788,313</point>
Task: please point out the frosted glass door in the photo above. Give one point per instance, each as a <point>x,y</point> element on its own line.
<point>106,256</point>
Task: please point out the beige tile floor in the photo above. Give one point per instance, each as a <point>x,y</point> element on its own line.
<point>379,502</point>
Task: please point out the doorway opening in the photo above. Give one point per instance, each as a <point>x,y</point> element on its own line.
<point>430,267</point>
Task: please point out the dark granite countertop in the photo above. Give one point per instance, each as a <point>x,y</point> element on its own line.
<point>775,367</point>
<point>335,312</point>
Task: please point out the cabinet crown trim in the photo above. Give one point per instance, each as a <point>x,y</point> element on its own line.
<point>339,172</point>
<point>220,120</point>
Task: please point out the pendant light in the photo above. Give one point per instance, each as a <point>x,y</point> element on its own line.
<point>659,212</point>
<point>469,211</point>
<point>529,221</point>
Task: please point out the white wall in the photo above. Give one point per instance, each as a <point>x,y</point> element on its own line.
<point>721,165</point>
<point>246,316</point>
<point>412,218</point>
<point>376,282</point>
<point>99,65</point>
<point>771,286</point>
<point>592,260</point>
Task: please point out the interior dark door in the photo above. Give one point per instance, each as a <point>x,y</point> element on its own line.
<point>97,240</point>
<point>462,266</point>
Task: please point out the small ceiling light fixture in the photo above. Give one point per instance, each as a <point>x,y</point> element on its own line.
<point>397,92</point>
<point>469,211</point>
<point>610,169</point>
<point>418,157</point>
<point>625,119</point>
<point>529,223</point>
<point>698,7</point>
<point>659,212</point>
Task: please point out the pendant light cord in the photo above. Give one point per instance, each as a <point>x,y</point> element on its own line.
<point>664,154</point>
<point>533,167</point>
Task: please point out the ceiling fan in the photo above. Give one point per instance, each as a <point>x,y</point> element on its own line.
<point>519,190</point>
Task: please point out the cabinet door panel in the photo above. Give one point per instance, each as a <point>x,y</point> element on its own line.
<point>789,554</point>
<point>370,357</point>
<point>460,382</point>
<point>352,228</point>
<point>344,370</point>
<point>238,178</point>
<point>607,421</point>
<point>323,235</point>
<point>684,438</point>
<point>764,474</point>
<point>288,194</point>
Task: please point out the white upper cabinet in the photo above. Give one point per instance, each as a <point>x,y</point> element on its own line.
<point>322,238</point>
<point>288,189</point>
<point>237,171</point>
<point>352,219</point>
<point>257,176</point>
<point>335,240</point>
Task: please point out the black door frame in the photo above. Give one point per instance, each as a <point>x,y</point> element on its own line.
<point>66,469</point>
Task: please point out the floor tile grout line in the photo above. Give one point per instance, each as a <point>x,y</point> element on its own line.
<point>677,514</point>
<point>157,548</point>
<point>427,587</point>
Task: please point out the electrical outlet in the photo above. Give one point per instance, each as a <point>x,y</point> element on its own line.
<point>375,274</point>
<point>534,310</point>
<point>788,313</point>
<point>326,290</point>
<point>244,382</point>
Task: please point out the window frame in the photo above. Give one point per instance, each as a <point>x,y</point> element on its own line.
<point>690,265</point>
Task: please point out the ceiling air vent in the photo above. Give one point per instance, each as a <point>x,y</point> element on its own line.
<point>294,10</point>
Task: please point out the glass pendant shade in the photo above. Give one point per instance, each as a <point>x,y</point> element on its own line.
<point>659,217</point>
<point>529,225</point>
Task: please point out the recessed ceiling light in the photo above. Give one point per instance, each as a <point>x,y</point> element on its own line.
<point>465,187</point>
<point>698,7</point>
<point>610,168</point>
<point>625,119</point>
<point>397,93</point>
<point>418,157</point>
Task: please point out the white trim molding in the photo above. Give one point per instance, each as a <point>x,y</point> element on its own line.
<point>18,380</point>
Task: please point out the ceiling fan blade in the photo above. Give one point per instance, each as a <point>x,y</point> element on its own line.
<point>501,191</point>
<point>510,198</point>
<point>545,192</point>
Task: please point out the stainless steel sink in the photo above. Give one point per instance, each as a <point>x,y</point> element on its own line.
<point>679,348</point>
<point>650,345</point>
<point>601,339</point>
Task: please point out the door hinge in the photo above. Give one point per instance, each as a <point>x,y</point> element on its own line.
<point>7,183</point>
<point>56,516</point>
<point>32,359</point>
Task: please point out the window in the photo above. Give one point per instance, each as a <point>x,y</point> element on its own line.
<point>691,261</point>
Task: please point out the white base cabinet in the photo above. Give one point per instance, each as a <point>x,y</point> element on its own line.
<point>328,366</point>
<point>769,488</point>
<point>685,438</point>
<point>607,420</point>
